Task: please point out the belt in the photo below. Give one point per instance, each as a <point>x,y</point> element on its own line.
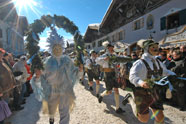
<point>101,69</point>
<point>140,90</point>
<point>108,69</point>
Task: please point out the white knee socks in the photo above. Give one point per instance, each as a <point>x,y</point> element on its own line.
<point>133,105</point>
<point>97,88</point>
<point>116,97</point>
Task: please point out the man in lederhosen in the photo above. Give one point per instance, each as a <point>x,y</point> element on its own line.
<point>109,77</point>
<point>148,67</point>
<point>93,71</point>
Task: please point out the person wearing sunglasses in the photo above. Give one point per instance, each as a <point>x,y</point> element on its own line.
<point>163,58</point>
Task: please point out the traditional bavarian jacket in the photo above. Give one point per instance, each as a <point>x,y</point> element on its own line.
<point>105,64</point>
<point>138,72</point>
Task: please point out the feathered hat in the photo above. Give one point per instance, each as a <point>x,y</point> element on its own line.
<point>55,39</point>
<point>146,43</point>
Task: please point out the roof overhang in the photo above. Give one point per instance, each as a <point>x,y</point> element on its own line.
<point>92,27</point>
<point>107,12</point>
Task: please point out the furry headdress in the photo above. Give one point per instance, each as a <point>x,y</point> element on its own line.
<point>54,38</point>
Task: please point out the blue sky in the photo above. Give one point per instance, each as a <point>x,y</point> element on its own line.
<point>81,12</point>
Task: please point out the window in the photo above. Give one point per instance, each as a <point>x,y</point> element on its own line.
<point>1,44</point>
<point>93,44</point>
<point>182,17</point>
<point>1,33</point>
<point>88,47</point>
<point>9,36</point>
<point>173,21</point>
<point>110,38</point>
<point>121,35</point>
<point>100,43</point>
<point>150,22</point>
<point>138,24</point>
<point>113,38</point>
<point>163,23</point>
<point>117,36</point>
<point>170,22</point>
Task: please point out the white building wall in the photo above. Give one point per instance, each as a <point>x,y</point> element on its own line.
<point>17,42</point>
<point>13,41</point>
<point>131,36</point>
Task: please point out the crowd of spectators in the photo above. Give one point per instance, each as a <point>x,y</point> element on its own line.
<point>15,76</point>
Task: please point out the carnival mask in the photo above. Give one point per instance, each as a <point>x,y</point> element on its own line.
<point>153,49</point>
<point>57,50</point>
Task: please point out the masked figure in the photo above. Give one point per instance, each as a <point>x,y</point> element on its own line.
<point>54,85</point>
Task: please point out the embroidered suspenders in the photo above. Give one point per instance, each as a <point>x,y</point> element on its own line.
<point>156,72</point>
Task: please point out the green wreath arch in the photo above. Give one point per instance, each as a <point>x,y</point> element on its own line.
<point>39,25</point>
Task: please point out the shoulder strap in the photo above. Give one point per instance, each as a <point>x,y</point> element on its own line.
<point>149,70</point>
<point>91,60</point>
<point>160,71</point>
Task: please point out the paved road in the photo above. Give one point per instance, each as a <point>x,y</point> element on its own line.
<point>89,111</point>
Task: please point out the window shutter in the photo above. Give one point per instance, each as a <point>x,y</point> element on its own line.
<point>115,37</point>
<point>118,36</point>
<point>142,23</point>
<point>133,26</point>
<point>124,35</point>
<point>163,23</point>
<point>182,17</point>
<point>1,33</point>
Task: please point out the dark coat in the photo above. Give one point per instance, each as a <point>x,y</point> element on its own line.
<point>178,66</point>
<point>7,80</point>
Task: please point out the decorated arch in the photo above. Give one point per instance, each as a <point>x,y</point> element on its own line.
<point>47,21</point>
